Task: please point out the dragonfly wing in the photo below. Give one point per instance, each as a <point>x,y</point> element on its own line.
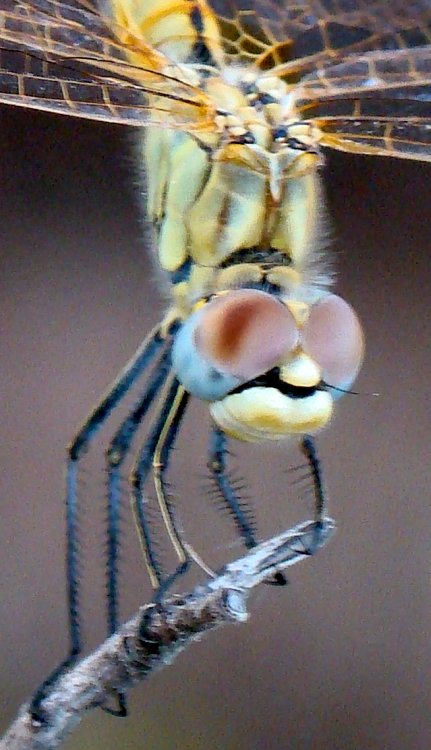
<point>187,31</point>
<point>112,102</point>
<point>404,138</point>
<point>378,103</point>
<point>66,60</point>
<point>296,37</point>
<point>56,28</point>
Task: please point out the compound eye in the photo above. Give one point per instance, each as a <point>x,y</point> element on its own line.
<point>333,337</point>
<point>232,339</point>
<point>246,333</point>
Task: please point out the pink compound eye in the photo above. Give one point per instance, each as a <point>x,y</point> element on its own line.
<point>245,333</point>
<point>333,337</point>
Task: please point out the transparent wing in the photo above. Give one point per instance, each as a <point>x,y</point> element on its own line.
<point>81,70</point>
<point>379,103</point>
<point>404,138</point>
<point>366,101</point>
<point>297,37</point>
<point>59,29</point>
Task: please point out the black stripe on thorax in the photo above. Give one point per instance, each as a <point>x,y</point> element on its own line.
<point>182,273</point>
<point>196,19</point>
<point>200,52</point>
<point>264,257</point>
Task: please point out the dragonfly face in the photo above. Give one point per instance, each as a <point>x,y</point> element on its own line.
<point>238,99</point>
<point>267,364</point>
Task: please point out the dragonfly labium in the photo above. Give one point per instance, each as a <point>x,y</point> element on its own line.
<point>238,99</point>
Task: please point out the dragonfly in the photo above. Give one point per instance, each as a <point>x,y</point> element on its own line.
<point>237,102</point>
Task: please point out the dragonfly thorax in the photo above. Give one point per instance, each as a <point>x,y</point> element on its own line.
<point>259,111</point>
<point>253,185</point>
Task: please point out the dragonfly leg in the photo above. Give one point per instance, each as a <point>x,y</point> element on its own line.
<point>217,467</point>
<point>308,448</point>
<point>117,453</point>
<point>121,386</point>
<point>155,455</point>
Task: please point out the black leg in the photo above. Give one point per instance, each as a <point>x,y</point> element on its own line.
<point>145,355</point>
<point>245,525</point>
<point>309,450</point>
<point>155,456</point>
<point>217,467</point>
<point>160,469</point>
<point>36,711</point>
<point>116,454</point>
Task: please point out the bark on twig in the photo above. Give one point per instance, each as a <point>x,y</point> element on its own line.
<point>125,659</point>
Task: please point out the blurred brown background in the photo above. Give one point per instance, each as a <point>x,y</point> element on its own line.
<point>340,659</point>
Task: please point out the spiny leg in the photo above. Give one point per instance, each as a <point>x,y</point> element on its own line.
<point>121,386</point>
<point>160,469</point>
<point>217,467</point>
<point>116,455</point>
<point>155,455</point>
<point>309,450</point>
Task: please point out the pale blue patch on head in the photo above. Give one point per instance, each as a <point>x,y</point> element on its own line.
<point>199,377</point>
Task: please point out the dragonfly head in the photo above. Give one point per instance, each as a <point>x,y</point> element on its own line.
<point>266,365</point>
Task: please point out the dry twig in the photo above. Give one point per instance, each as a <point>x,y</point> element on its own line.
<point>125,659</point>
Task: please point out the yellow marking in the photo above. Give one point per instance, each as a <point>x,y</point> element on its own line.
<point>201,283</point>
<point>187,168</point>
<point>324,31</point>
<point>107,100</point>
<point>274,113</point>
<point>412,67</point>
<point>157,465</point>
<point>296,220</point>
<point>299,310</point>
<point>301,371</point>
<point>387,136</point>
<point>21,85</point>
<point>263,413</point>
<point>151,572</point>
<point>198,560</point>
<point>180,308</point>
<point>299,130</point>
<point>156,152</point>
<point>226,97</point>
<point>231,212</point>
<point>154,581</point>
<point>49,42</point>
<point>285,277</point>
<point>275,52</point>
<point>240,275</point>
<point>166,25</point>
<point>65,92</point>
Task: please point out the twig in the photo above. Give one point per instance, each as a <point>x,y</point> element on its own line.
<point>125,659</point>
